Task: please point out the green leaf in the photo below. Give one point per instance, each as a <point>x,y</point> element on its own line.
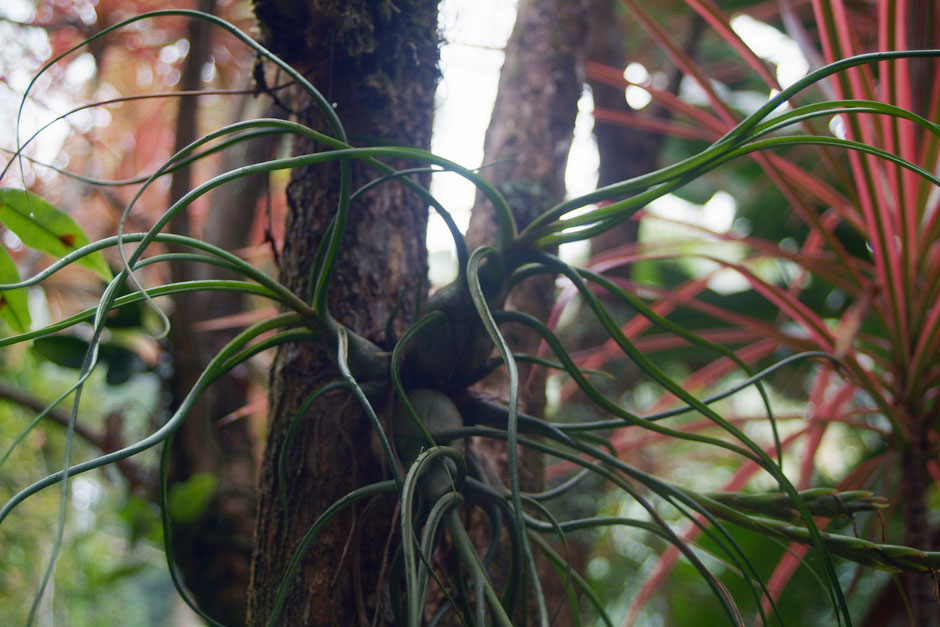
<point>69,351</point>
<point>43,227</point>
<point>189,499</point>
<point>62,350</point>
<point>122,364</point>
<point>142,518</point>
<point>14,305</point>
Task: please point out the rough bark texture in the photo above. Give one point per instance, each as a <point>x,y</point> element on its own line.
<point>920,589</point>
<point>378,62</point>
<point>532,126</point>
<point>923,32</point>
<point>533,117</point>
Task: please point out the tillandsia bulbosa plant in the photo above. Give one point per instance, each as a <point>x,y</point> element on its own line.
<point>862,284</point>
<point>414,385</point>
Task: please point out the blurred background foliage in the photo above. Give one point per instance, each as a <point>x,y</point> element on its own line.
<point>112,570</point>
<point>739,255</point>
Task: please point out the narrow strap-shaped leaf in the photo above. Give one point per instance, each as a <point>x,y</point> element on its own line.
<point>414,605</point>
<point>167,526</point>
<point>742,132</point>
<point>137,180</point>
<point>512,423</point>
<point>428,536</point>
<point>25,431</point>
<point>560,489</point>
<point>496,500</point>
<point>398,354</point>
<point>628,419</point>
<point>460,242</point>
<point>234,262</point>
<point>567,567</point>
<point>211,372</point>
<point>128,299</point>
<point>307,541</point>
<point>756,452</point>
<point>90,358</point>
<point>682,332</point>
<point>606,470</point>
<point>585,587</point>
<point>321,102</point>
<point>471,560</point>
<point>342,360</point>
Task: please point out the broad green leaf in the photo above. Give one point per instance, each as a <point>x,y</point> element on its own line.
<point>63,350</point>
<point>69,352</point>
<point>143,519</point>
<point>189,499</point>
<point>122,364</point>
<point>43,227</point>
<point>14,308</point>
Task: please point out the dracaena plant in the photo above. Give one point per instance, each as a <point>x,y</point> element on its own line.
<point>862,284</point>
<point>421,381</point>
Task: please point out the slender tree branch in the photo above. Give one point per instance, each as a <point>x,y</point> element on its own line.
<point>106,442</point>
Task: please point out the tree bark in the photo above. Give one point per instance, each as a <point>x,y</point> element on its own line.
<point>624,152</point>
<point>213,552</point>
<point>378,62</point>
<point>919,588</point>
<point>531,129</point>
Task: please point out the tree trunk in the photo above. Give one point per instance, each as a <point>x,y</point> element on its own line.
<point>378,62</point>
<point>531,128</point>
<point>914,480</point>
<point>923,24</point>
<point>624,152</point>
<point>213,551</point>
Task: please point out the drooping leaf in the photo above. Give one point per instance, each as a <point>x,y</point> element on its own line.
<point>43,227</point>
<point>14,307</point>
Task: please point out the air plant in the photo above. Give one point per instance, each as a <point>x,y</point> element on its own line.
<point>866,223</point>
<point>456,339</point>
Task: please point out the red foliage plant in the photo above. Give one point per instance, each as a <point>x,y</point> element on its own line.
<point>885,340</point>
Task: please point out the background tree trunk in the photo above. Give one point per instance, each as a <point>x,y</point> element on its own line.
<point>531,129</point>
<point>213,551</point>
<point>378,63</point>
<point>624,152</point>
